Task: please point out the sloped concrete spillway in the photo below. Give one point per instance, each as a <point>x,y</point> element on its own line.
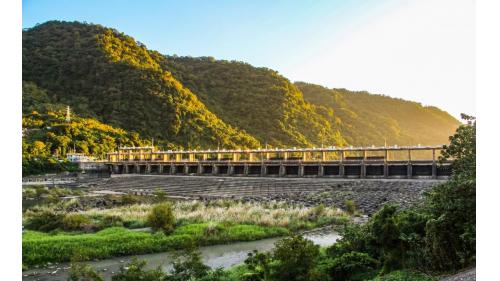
<point>368,194</point>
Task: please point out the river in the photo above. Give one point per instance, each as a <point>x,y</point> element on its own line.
<point>215,256</point>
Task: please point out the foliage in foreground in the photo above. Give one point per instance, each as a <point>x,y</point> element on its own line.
<point>293,259</point>
<point>440,236</point>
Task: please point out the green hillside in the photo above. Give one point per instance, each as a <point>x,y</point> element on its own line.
<point>258,100</point>
<point>107,75</point>
<point>202,102</point>
<point>370,119</point>
<point>48,137</point>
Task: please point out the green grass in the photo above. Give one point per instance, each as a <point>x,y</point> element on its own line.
<point>40,248</point>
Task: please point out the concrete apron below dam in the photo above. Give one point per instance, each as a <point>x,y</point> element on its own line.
<point>216,256</point>
<point>368,194</point>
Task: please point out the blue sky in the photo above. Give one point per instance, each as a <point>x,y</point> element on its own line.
<point>421,50</point>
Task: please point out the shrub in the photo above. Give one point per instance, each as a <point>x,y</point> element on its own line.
<point>162,218</point>
<point>39,191</point>
<point>73,221</point>
<point>355,238</point>
<point>188,266</point>
<point>29,193</point>
<point>258,267</point>
<point>130,199</point>
<point>111,221</point>
<point>83,272</point>
<point>44,220</point>
<point>160,195</point>
<point>350,207</point>
<point>348,265</point>
<point>295,258</point>
<point>135,271</point>
<point>72,205</point>
<point>318,210</point>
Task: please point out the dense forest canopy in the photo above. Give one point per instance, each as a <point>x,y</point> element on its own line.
<point>258,100</point>
<point>110,78</point>
<point>372,119</point>
<point>107,75</point>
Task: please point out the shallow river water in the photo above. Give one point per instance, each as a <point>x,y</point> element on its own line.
<point>215,256</point>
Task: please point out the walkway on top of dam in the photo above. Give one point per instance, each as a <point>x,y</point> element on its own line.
<point>361,162</point>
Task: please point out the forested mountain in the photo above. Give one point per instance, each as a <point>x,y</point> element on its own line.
<point>372,119</point>
<point>202,102</point>
<point>107,75</point>
<point>258,100</point>
<point>48,136</point>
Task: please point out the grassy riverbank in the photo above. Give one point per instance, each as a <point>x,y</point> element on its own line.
<point>67,231</point>
<point>39,248</point>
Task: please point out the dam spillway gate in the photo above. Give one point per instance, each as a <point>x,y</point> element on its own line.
<point>368,162</point>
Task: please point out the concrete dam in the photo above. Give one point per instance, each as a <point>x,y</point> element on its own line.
<point>405,162</point>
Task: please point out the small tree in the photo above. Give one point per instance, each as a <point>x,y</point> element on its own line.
<point>451,233</point>
<point>162,218</point>
<point>350,207</point>
<point>296,258</point>
<point>188,266</point>
<point>258,266</point>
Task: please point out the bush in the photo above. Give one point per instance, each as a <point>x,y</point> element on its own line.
<point>451,234</point>
<point>348,265</point>
<point>295,258</point>
<point>29,193</point>
<point>44,220</point>
<point>135,271</point>
<point>162,218</point>
<point>72,222</point>
<point>355,238</point>
<point>130,199</point>
<point>111,221</point>
<point>160,195</point>
<point>72,205</point>
<point>257,267</point>
<point>188,266</point>
<point>39,191</point>
<point>319,210</point>
<point>83,272</point>
<point>350,207</point>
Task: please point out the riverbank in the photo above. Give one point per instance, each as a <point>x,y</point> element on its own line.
<point>216,256</point>
<point>40,248</point>
<point>73,230</point>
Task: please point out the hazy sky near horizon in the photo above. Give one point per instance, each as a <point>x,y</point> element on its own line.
<point>419,50</point>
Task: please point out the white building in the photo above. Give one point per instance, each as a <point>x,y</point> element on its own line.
<point>79,157</point>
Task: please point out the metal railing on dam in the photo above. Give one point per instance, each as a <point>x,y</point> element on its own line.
<point>347,162</point>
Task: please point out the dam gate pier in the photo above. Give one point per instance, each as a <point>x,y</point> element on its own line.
<point>363,162</point>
